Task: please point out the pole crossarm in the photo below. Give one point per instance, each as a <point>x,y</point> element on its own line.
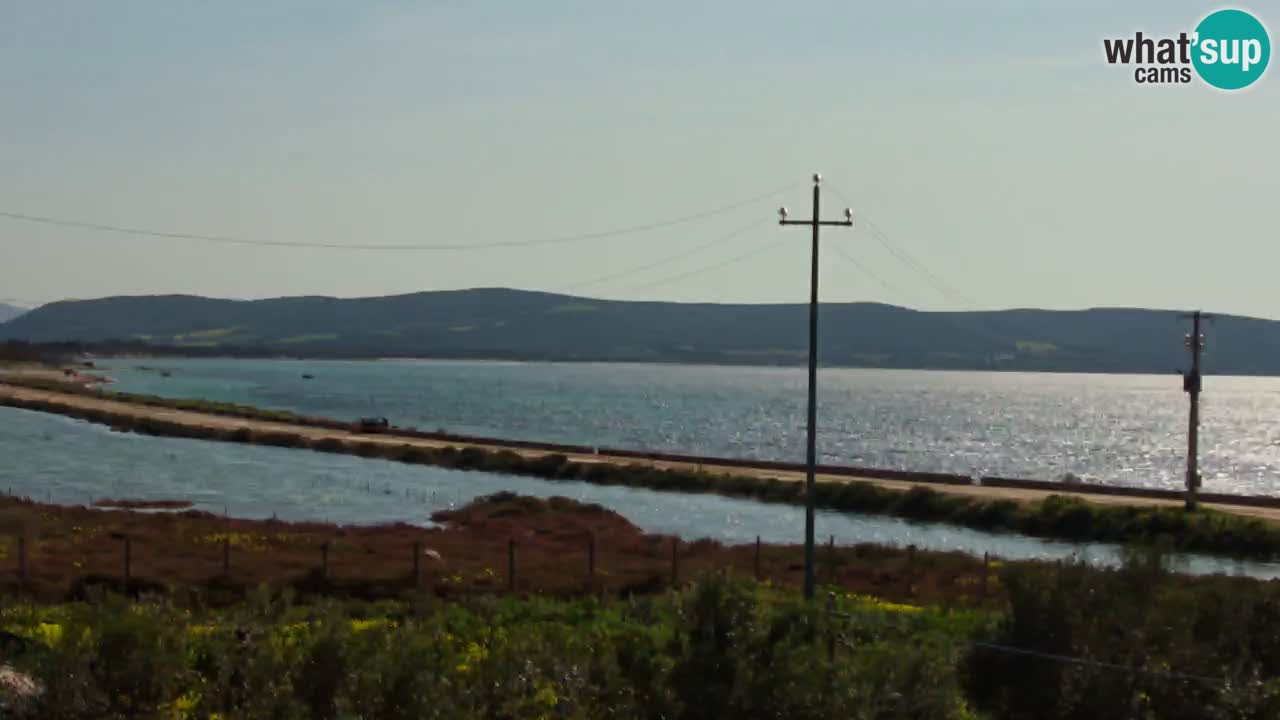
<point>811,455</point>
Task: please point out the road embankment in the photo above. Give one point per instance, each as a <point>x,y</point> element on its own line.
<point>1230,525</point>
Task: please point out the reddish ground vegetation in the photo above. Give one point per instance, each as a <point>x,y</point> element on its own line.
<point>556,544</point>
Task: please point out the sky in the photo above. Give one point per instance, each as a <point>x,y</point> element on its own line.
<point>987,141</point>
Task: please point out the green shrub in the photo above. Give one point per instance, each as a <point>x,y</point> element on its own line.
<point>1155,645</point>
<point>329,445</point>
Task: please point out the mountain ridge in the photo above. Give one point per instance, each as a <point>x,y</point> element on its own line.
<point>503,323</point>
<point>9,312</point>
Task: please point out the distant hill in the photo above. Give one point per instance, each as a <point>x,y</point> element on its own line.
<point>514,324</point>
<point>9,312</point>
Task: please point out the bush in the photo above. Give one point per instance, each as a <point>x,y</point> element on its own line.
<point>329,445</point>
<point>1189,648</point>
<point>277,439</point>
<point>720,649</point>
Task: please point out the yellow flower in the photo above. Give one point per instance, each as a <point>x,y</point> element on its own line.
<point>185,705</point>
<point>875,603</point>
<point>546,695</point>
<point>475,653</point>
<point>288,634</point>
<point>363,625</point>
<point>49,633</point>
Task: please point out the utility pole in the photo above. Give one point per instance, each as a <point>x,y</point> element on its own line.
<point>810,447</point>
<point>1191,383</point>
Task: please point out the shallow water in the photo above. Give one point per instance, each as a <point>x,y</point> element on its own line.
<point>50,457</point>
<point>1115,429</point>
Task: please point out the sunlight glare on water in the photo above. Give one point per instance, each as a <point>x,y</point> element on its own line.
<point>1113,429</point>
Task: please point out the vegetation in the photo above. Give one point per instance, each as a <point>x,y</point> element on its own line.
<point>511,324</point>
<point>1142,643</point>
<point>561,547</point>
<point>720,649</point>
<point>1074,642</point>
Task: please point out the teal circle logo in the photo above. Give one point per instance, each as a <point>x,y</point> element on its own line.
<point>1231,49</point>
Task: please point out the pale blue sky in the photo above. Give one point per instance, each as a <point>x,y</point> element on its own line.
<point>987,139</point>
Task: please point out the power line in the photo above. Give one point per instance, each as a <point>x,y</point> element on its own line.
<point>938,284</point>
<point>668,259</point>
<point>1067,659</point>
<point>1089,662</point>
<point>991,325</point>
<point>229,240</point>
<point>862,221</point>
<point>707,268</point>
<point>849,258</point>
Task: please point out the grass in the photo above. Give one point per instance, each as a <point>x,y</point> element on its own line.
<point>571,308</point>
<point>313,337</point>
<point>206,334</point>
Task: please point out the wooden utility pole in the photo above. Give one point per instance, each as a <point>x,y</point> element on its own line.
<point>1191,384</point>
<point>810,442</point>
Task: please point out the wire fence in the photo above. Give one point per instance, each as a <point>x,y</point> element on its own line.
<point>585,567</point>
<point>138,554</point>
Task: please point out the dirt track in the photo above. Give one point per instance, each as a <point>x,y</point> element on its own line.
<point>205,420</point>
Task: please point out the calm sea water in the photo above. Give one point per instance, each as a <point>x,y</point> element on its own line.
<point>1113,429</point>
<point>49,457</point>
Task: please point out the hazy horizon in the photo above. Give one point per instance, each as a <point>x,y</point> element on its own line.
<point>596,298</point>
<point>988,140</point>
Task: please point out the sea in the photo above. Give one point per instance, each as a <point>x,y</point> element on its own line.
<point>1127,430</point>
<point>1111,429</point>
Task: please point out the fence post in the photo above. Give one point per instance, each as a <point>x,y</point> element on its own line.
<point>417,564</point>
<point>986,565</point>
<point>511,566</point>
<point>831,561</point>
<point>911,568</point>
<point>675,560</point>
<point>831,622</point>
<point>757,562</point>
<point>128,557</point>
<point>22,559</point>
<point>324,560</point>
<point>226,557</point>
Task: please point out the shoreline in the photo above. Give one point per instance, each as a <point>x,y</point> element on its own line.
<point>1064,513</point>
<point>1020,489</point>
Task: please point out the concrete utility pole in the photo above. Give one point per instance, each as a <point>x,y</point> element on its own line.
<point>1194,342</point>
<point>810,449</point>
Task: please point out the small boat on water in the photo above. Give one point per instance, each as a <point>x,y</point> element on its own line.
<point>308,377</point>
